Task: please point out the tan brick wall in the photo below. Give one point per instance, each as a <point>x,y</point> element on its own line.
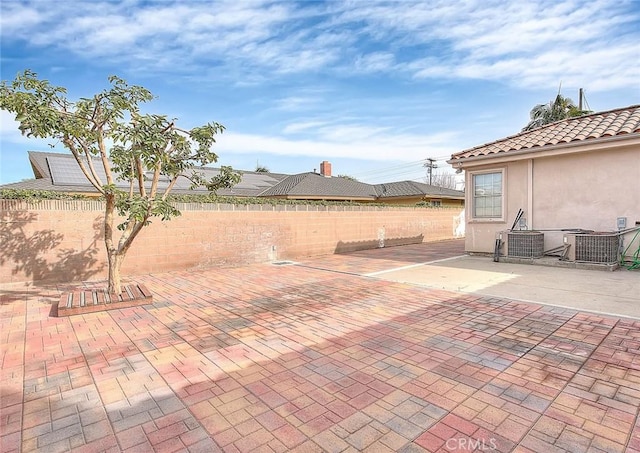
<point>62,240</point>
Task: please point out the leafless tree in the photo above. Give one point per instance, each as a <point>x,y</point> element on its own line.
<point>446,180</point>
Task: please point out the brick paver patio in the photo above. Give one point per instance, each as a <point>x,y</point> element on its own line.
<point>301,358</point>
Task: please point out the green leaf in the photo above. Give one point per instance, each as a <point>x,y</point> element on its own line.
<point>109,128</point>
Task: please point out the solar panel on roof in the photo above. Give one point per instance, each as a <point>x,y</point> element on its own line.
<point>66,172</point>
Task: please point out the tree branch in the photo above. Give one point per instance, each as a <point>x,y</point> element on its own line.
<point>140,173</point>
<point>89,175</point>
<point>130,233</point>
<point>105,160</point>
<point>156,177</point>
<point>169,188</point>
<point>87,154</point>
<point>108,221</point>
<point>96,107</point>
<point>131,183</point>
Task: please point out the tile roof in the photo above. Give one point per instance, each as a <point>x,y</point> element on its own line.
<point>44,184</point>
<point>60,172</point>
<point>317,185</point>
<point>612,123</point>
<point>412,189</point>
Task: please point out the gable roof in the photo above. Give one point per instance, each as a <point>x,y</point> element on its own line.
<point>612,123</point>
<point>60,172</point>
<point>317,185</point>
<point>413,189</point>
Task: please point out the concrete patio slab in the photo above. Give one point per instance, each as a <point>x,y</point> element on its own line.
<point>308,358</point>
<point>616,293</point>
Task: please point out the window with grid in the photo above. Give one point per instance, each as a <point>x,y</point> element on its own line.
<point>487,195</point>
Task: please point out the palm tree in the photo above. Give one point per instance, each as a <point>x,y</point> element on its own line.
<point>559,109</point>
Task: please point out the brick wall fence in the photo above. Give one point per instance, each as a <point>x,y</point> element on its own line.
<point>61,240</point>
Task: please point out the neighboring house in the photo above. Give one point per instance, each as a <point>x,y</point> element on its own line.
<point>60,172</point>
<point>407,192</point>
<point>323,186</point>
<point>316,186</point>
<point>578,173</point>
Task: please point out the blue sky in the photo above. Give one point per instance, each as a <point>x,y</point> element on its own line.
<point>374,87</point>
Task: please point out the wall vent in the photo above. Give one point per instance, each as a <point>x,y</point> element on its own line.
<point>525,244</point>
<point>597,248</point>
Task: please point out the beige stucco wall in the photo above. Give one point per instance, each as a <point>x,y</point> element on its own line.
<point>481,234</point>
<point>62,240</point>
<point>587,190</point>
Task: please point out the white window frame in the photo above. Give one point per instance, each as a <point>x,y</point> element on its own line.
<point>472,198</point>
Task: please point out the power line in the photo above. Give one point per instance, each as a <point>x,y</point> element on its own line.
<point>407,171</point>
<point>402,174</point>
<point>393,169</point>
<point>396,178</point>
<point>406,164</point>
<point>398,175</point>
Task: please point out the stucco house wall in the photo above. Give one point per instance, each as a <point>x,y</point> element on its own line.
<point>577,173</point>
<point>480,234</point>
<point>587,190</point>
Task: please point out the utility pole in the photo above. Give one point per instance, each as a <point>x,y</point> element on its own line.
<point>430,165</point>
<point>580,95</point>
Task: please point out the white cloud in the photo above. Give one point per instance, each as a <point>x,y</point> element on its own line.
<point>380,147</point>
<point>489,39</point>
<point>304,126</point>
<point>607,69</point>
<point>9,129</point>
<point>352,133</point>
<point>266,40</point>
<point>296,103</point>
<point>11,138</point>
<point>375,62</point>
<point>479,39</point>
<point>16,17</point>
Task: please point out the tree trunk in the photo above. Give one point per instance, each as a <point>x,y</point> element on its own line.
<point>115,262</point>
<point>116,254</point>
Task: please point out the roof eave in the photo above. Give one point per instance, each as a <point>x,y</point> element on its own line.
<point>549,150</point>
<point>424,195</point>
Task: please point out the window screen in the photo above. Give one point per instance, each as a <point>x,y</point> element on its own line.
<point>487,195</point>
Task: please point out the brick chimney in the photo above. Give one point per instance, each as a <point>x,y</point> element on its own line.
<point>325,168</point>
